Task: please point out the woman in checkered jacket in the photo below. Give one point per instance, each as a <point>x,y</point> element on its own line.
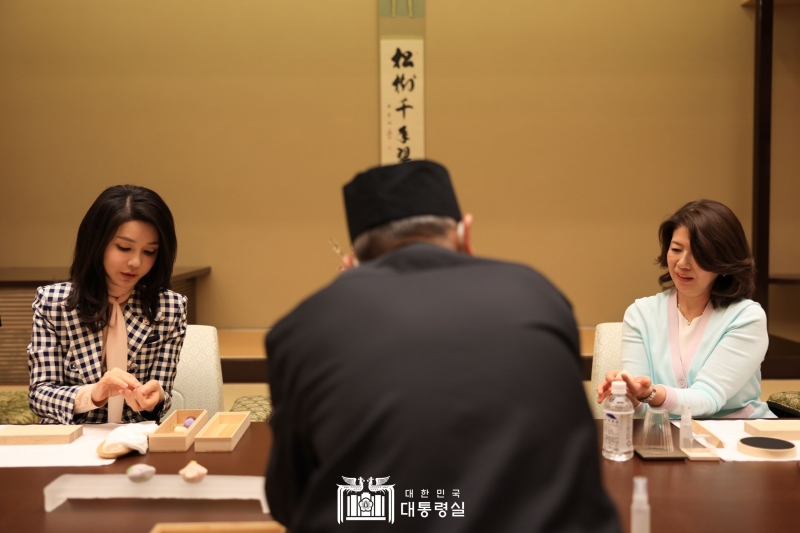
<point>105,345</point>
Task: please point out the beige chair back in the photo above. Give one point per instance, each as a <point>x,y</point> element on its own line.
<point>607,356</point>
<point>198,383</point>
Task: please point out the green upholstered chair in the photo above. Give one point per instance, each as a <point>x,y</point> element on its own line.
<point>14,408</point>
<point>785,404</point>
<point>260,407</point>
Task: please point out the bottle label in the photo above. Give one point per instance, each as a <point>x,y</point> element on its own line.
<point>618,431</point>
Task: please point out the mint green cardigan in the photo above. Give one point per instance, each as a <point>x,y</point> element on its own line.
<point>722,378</point>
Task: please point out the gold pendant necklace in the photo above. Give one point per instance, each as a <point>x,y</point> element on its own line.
<point>688,322</point>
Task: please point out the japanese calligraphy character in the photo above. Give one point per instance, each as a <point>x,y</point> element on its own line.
<point>406,57</point>
<point>403,134</point>
<point>404,154</point>
<point>404,106</point>
<point>400,82</point>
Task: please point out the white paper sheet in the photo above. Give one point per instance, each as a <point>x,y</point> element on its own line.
<point>80,452</point>
<point>729,432</point>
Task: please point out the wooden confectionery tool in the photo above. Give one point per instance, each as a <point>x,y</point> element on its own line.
<point>712,439</point>
<point>767,448</point>
<point>780,429</point>
<point>113,451</point>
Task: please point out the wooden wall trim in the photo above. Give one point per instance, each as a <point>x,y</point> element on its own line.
<point>762,146</point>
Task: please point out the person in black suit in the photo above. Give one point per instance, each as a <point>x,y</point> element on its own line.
<point>427,389</point>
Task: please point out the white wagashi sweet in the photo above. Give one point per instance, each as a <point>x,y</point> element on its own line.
<point>193,472</point>
<point>140,473</point>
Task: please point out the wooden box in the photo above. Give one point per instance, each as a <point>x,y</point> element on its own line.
<point>165,440</point>
<point>779,429</point>
<point>222,433</point>
<point>40,434</point>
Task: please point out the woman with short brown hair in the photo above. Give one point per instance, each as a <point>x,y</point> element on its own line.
<point>702,340</point>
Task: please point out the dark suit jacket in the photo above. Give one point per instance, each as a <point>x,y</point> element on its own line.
<point>446,373</point>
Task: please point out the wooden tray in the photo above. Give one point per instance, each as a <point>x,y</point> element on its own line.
<point>165,440</point>
<point>675,455</point>
<point>218,527</point>
<point>40,434</point>
<point>780,429</point>
<point>222,433</point>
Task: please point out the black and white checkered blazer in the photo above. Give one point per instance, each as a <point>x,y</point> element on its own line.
<point>64,355</point>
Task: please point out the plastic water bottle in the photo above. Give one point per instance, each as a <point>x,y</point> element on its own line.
<point>617,424</point>
<point>640,507</point>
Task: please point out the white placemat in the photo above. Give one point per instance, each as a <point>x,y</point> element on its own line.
<point>80,452</point>
<point>104,486</point>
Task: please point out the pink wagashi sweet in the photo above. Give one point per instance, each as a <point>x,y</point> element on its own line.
<point>193,472</point>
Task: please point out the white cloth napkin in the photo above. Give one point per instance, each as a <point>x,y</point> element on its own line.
<point>134,436</point>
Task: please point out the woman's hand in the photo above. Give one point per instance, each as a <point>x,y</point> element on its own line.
<point>145,397</point>
<point>113,383</point>
<point>638,387</point>
<point>604,388</point>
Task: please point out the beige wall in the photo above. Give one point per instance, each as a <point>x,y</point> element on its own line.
<point>570,128</point>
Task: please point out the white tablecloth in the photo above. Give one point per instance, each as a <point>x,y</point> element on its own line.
<point>80,452</point>
<point>729,432</point>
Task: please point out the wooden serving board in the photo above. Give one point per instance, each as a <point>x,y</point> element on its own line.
<point>40,434</point>
<point>780,429</point>
<point>219,527</point>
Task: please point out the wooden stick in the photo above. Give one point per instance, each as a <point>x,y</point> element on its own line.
<point>713,440</point>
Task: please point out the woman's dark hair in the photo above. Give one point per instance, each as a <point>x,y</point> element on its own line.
<point>114,207</point>
<point>718,245</point>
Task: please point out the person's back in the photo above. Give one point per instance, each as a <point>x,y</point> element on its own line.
<point>447,374</point>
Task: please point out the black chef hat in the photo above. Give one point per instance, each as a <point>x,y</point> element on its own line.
<point>382,194</point>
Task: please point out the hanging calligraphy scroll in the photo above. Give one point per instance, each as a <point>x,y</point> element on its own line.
<point>402,80</point>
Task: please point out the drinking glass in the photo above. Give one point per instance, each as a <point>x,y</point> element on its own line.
<point>657,435</point>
